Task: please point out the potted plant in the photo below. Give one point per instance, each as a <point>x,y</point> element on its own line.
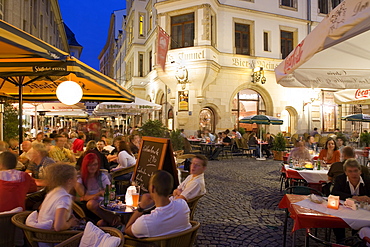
<point>279,146</point>
<point>154,128</point>
<point>177,140</point>
<point>365,139</point>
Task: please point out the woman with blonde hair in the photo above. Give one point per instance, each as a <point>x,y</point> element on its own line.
<point>57,205</point>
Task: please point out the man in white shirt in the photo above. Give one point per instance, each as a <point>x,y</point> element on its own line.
<point>194,184</point>
<point>167,218</point>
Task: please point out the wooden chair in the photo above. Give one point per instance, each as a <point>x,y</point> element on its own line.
<point>191,149</point>
<point>76,239</point>
<point>192,203</point>
<point>183,239</point>
<point>122,185</point>
<point>35,235</point>
<point>7,231</point>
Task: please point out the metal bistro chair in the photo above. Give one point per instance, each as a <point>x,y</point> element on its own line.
<point>321,241</point>
<point>297,190</point>
<point>183,239</point>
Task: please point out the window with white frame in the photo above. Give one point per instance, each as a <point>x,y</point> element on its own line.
<point>325,6</point>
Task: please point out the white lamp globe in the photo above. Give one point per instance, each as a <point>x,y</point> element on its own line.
<point>69,92</point>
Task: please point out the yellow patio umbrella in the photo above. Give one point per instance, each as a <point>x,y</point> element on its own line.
<point>32,69</point>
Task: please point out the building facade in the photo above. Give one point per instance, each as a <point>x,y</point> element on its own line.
<point>221,60</point>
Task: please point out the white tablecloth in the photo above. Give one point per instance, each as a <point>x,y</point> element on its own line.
<point>356,219</point>
<point>312,176</point>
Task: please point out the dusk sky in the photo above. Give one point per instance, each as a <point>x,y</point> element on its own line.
<point>89,20</point>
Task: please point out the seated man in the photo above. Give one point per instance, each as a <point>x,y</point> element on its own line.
<point>337,167</point>
<point>60,153</point>
<point>226,141</point>
<point>167,218</point>
<point>193,185</point>
<point>351,185</point>
<point>38,156</point>
<point>300,152</point>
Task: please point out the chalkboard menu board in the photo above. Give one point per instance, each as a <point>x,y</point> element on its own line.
<point>154,154</point>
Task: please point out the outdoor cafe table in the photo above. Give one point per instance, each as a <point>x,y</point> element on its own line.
<point>305,217</point>
<point>207,148</point>
<point>311,176</point>
<point>125,212</point>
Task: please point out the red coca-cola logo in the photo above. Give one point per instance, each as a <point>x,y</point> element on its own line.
<point>362,93</point>
<point>293,58</point>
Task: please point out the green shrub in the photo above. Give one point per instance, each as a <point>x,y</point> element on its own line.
<point>154,128</point>
<point>177,140</point>
<point>279,143</point>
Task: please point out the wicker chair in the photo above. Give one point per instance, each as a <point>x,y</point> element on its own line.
<point>122,185</point>
<point>192,203</point>
<point>76,239</point>
<point>7,230</point>
<point>35,235</point>
<point>183,239</point>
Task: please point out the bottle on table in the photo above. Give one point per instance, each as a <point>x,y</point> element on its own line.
<point>318,164</point>
<point>113,193</point>
<point>106,195</point>
<point>291,163</point>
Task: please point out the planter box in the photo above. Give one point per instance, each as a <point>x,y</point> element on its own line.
<point>278,155</point>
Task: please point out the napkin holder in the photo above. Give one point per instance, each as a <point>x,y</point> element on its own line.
<point>128,197</point>
<point>333,202</point>
<point>350,203</point>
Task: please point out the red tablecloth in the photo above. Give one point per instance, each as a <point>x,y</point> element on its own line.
<point>308,218</point>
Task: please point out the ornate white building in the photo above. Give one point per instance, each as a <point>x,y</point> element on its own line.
<point>215,48</point>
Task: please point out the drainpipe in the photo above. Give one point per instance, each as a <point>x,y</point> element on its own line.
<point>309,23</point>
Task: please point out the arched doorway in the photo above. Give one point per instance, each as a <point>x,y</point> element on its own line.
<point>286,127</point>
<point>247,102</point>
<point>207,119</point>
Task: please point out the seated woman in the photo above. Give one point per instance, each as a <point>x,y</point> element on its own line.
<point>125,159</point>
<point>330,153</point>
<point>57,205</point>
<point>253,144</point>
<point>14,184</point>
<point>135,143</point>
<point>90,187</point>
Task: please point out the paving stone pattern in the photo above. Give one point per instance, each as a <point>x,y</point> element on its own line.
<point>241,205</point>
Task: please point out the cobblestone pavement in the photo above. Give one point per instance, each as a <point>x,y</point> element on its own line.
<point>241,205</point>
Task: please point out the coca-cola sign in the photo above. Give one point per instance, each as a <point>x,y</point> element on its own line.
<point>293,58</point>
<point>362,94</point>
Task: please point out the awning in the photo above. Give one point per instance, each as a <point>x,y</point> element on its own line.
<point>335,54</point>
<point>352,96</point>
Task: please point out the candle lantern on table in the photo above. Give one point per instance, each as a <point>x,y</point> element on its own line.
<point>333,202</point>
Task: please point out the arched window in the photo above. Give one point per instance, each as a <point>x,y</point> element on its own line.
<point>207,119</point>
<point>247,102</point>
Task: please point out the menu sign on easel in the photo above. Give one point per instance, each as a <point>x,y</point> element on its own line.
<point>154,154</point>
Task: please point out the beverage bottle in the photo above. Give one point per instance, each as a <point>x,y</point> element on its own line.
<point>291,163</point>
<point>106,195</point>
<point>113,193</point>
<point>318,164</point>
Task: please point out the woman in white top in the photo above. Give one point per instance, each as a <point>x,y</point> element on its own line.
<point>125,156</point>
<point>57,205</point>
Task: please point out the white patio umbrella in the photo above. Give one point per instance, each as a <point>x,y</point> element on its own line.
<point>137,107</point>
<point>335,54</point>
<point>352,96</point>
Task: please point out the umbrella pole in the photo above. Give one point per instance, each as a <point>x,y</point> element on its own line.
<point>20,113</point>
<point>261,158</point>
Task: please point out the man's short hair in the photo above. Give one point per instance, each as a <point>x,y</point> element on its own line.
<point>102,142</point>
<point>162,182</point>
<point>3,146</point>
<point>8,160</point>
<point>348,152</point>
<point>202,158</point>
<point>352,162</point>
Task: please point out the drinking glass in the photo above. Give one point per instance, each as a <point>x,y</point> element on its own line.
<point>136,196</point>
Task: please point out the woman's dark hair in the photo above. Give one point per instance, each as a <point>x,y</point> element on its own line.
<point>122,146</point>
<point>335,143</point>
